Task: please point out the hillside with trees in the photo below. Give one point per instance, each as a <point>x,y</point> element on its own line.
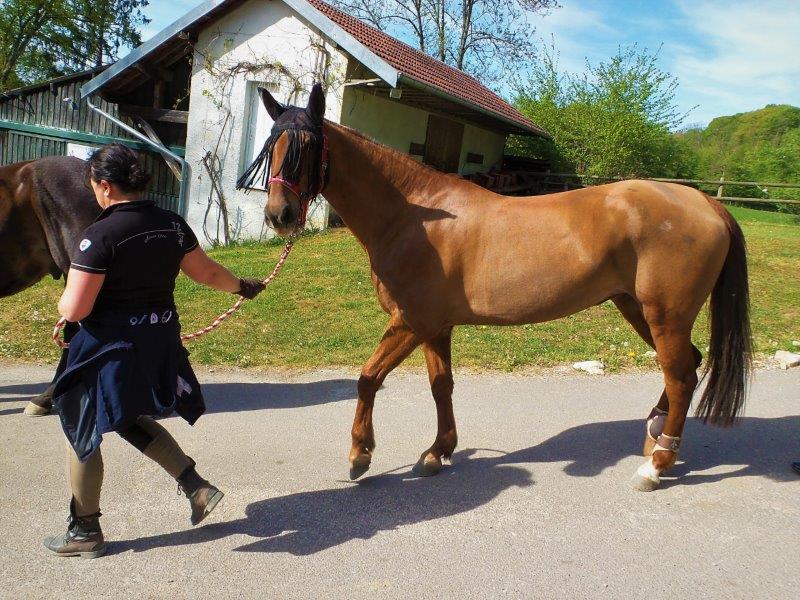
<point>761,145</point>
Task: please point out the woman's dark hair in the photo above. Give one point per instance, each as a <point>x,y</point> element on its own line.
<point>119,165</point>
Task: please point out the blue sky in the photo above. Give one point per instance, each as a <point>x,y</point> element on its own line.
<point>729,56</point>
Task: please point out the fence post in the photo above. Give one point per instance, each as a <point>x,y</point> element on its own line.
<point>719,189</point>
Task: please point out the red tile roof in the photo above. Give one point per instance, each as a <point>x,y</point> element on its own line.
<point>419,66</point>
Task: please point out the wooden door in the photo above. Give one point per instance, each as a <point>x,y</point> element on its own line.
<point>443,144</point>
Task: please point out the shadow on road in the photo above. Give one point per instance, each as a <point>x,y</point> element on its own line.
<point>237,397</point>
<point>759,447</point>
<point>22,390</point>
<point>309,522</point>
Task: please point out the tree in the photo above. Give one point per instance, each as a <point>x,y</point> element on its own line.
<point>614,120</point>
<point>489,39</point>
<point>40,39</point>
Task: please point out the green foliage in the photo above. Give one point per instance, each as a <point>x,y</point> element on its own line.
<point>761,145</point>
<point>40,39</point>
<point>614,120</point>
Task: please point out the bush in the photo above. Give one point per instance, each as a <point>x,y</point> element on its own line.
<point>614,120</point>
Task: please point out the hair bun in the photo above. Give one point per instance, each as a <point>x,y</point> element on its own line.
<point>138,178</point>
<point>119,165</point>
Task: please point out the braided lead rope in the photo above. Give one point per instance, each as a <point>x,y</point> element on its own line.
<point>218,321</point>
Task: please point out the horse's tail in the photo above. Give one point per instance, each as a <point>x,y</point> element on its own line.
<point>730,353</point>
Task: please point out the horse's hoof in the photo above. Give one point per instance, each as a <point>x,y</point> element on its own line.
<point>644,484</point>
<point>34,410</point>
<point>646,478</point>
<point>427,466</point>
<point>359,466</point>
<point>649,444</point>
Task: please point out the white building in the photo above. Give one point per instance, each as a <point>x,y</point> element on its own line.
<point>211,62</point>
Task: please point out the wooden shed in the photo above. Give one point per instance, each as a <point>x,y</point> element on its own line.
<point>48,119</point>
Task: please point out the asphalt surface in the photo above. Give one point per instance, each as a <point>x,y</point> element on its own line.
<point>536,504</point>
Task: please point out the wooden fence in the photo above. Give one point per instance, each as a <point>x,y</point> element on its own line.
<point>545,182</point>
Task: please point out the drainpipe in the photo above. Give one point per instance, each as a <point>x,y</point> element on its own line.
<point>186,171</point>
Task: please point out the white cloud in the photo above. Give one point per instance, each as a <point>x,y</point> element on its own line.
<point>746,55</point>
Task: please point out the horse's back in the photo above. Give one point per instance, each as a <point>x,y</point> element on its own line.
<point>540,258</point>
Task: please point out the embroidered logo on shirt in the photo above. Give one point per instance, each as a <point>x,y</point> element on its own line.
<point>180,233</point>
<point>153,319</point>
<point>84,245</point>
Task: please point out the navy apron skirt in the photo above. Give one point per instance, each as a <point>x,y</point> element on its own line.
<point>122,365</point>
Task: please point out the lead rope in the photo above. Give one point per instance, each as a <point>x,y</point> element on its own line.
<point>219,320</point>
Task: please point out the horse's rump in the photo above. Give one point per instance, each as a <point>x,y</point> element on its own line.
<point>44,207</point>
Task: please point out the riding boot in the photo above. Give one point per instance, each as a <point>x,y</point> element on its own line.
<point>84,537</point>
<point>41,405</point>
<point>203,496</point>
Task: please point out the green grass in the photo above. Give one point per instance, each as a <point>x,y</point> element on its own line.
<point>322,311</point>
<point>751,215</point>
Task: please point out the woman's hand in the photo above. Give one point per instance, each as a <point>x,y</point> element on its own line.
<point>79,297</point>
<point>250,288</point>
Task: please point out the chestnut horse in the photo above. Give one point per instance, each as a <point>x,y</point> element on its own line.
<point>445,252</point>
<point>44,207</point>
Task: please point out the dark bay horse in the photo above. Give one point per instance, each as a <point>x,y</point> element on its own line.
<point>44,206</point>
<point>445,252</point>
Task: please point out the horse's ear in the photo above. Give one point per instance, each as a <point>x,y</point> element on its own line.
<point>316,102</point>
<point>274,108</point>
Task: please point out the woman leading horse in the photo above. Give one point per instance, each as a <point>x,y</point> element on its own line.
<point>445,252</point>
<point>126,363</point>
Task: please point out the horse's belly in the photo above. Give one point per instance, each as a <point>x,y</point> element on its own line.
<point>516,296</point>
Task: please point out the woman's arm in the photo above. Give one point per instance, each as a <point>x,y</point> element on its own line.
<point>78,299</point>
<point>202,269</point>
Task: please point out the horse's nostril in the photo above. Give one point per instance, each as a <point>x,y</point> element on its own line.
<point>286,215</point>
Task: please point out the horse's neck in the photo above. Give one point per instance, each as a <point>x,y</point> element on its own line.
<point>370,186</point>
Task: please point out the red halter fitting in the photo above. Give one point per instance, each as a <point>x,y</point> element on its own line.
<point>294,187</point>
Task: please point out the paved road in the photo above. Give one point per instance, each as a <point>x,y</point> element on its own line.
<point>536,504</point>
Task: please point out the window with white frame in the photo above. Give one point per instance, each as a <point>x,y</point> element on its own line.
<point>258,125</point>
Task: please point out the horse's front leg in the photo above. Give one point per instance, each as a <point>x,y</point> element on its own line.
<point>399,340</point>
<point>440,374</point>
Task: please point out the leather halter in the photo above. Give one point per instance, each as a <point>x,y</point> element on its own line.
<point>293,186</point>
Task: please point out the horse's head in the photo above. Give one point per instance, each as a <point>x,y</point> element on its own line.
<point>293,161</point>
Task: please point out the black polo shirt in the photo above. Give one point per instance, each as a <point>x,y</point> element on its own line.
<point>139,248</point>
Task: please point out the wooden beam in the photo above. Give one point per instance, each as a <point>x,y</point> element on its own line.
<point>163,115</point>
<point>154,72</point>
<point>159,91</point>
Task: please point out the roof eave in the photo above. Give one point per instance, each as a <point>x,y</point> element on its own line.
<point>153,43</point>
<point>60,80</point>
<point>346,41</point>
<point>517,126</point>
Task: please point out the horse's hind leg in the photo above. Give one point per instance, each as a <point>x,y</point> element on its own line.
<point>398,341</point>
<point>440,374</point>
<point>654,427</point>
<point>677,358</point>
